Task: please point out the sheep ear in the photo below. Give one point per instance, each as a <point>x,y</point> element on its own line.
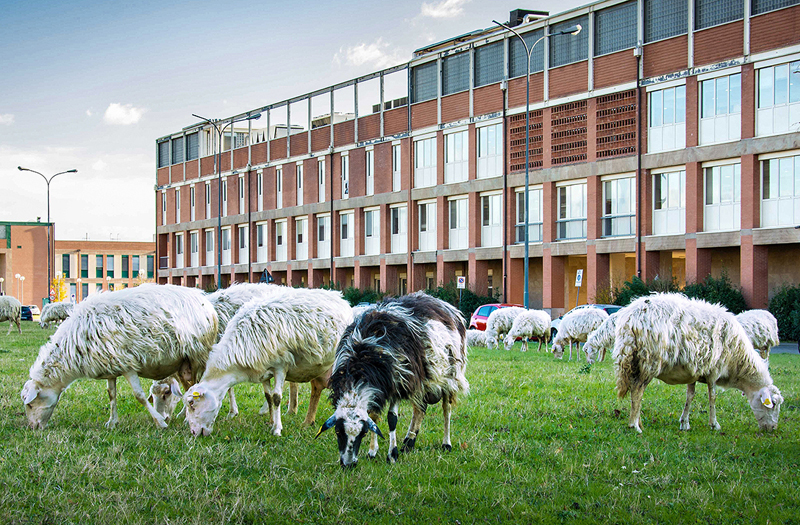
<point>175,390</point>
<point>325,426</point>
<point>29,395</point>
<point>766,400</point>
<point>150,399</point>
<point>373,427</point>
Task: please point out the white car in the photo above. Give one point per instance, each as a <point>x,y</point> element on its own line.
<point>609,308</point>
<point>34,309</point>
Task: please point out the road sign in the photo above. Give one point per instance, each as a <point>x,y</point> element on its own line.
<point>579,278</point>
<point>461,282</point>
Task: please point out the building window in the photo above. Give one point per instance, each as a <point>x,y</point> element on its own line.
<point>261,242</point>
<point>177,205</point>
<point>425,163</point>
<point>244,254</point>
<point>163,208</point>
<point>669,203</point>
<point>209,247</point>
<point>399,227</point>
<point>372,232</point>
<point>178,250</point>
<point>191,203</point>
<point>571,223</point>
<point>299,175</point>
<point>780,191</point>
<point>709,13</point>
<point>489,64</point>
<point>491,220</point>
<point>427,226</point>
<point>723,198</point>
<point>241,195</point>
<point>279,188</point>
<point>65,265</point>
<point>260,191</point>
<point>535,215</point>
<point>423,82</point>
<point>321,179</point>
<point>345,176</point>
<point>324,236</point>
<point>280,241</point>
<point>301,240</point>
<point>396,167</point>
<point>346,241</point>
<point>192,146</point>
<point>490,151</point>
<point>134,266</point>
<point>370,170</point>
<point>619,207</point>
<point>665,19</point>
<point>110,266</point>
<point>566,49</point>
<point>518,57</point>
<point>98,266</point>
<point>84,290</point>
<point>763,6</point>
<point>458,224</point>
<point>226,246</point>
<point>667,126</point>
<point>779,99</point>
<point>456,157</point>
<point>163,154</point>
<point>721,109</point>
<point>615,28</point>
<point>225,198</point>
<point>84,266</point>
<point>151,265</point>
<point>177,150</point>
<point>208,201</point>
<point>194,250</point>
<point>455,73</point>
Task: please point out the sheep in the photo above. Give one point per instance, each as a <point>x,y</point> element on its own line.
<point>164,396</point>
<point>476,338</point>
<point>762,329</point>
<point>499,323</point>
<point>290,336</point>
<point>679,340</point>
<point>55,312</point>
<point>11,311</point>
<point>148,331</point>
<point>575,327</point>
<point>407,348</point>
<point>529,324</point>
<point>601,339</point>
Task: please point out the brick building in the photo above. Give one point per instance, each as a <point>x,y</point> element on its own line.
<point>665,141</point>
<point>23,252</point>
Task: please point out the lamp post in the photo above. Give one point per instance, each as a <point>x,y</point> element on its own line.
<point>21,287</point>
<point>49,257</point>
<point>220,131</point>
<point>108,283</point>
<point>572,30</point>
<point>78,290</point>
<point>2,280</point>
<point>17,276</point>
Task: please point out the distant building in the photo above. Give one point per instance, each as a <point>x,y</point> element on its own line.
<point>23,252</point>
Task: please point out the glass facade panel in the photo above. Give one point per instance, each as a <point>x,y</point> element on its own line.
<point>423,82</point>
<point>517,57</point>
<point>566,49</point>
<point>615,28</point>
<point>488,64</point>
<point>455,73</point>
<point>762,6</point>
<point>709,13</point>
<point>665,19</point>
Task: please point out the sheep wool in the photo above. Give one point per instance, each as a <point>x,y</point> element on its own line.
<point>11,311</point>
<point>529,324</point>
<point>575,327</point>
<point>602,339</point>
<point>55,312</point>
<point>762,329</point>
<point>499,323</point>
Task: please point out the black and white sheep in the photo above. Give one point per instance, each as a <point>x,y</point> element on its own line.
<point>288,336</point>
<point>575,327</point>
<point>685,341</point>
<point>529,324</point>
<point>407,348</point>
<point>55,312</point>
<point>11,311</point>
<point>148,331</point>
<point>762,329</point>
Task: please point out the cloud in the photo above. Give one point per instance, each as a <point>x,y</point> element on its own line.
<point>122,115</point>
<point>6,118</point>
<point>444,9</point>
<point>375,54</point>
<point>99,165</point>
<point>88,112</point>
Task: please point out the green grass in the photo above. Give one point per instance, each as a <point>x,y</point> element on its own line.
<point>537,440</point>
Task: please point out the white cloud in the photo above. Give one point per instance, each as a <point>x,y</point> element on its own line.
<point>375,54</point>
<point>443,9</point>
<point>122,115</point>
<point>88,112</point>
<point>99,165</point>
<point>6,118</point>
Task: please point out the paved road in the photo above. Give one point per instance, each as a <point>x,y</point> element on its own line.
<point>785,348</point>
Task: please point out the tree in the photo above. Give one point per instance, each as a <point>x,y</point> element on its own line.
<point>59,286</point>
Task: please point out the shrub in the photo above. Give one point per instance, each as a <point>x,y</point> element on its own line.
<point>636,287</point>
<point>469,300</point>
<point>354,295</point>
<point>785,306</point>
<point>721,291</point>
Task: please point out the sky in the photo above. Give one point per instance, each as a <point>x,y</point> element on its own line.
<point>91,85</point>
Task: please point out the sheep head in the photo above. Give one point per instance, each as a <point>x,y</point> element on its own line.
<point>40,402</point>
<point>352,422</point>
<point>164,396</point>
<point>766,406</point>
<point>509,341</point>
<point>202,406</point>
<point>591,353</point>
<point>491,339</point>
<point>558,350</point>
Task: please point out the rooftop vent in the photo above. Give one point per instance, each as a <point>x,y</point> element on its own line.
<point>521,16</point>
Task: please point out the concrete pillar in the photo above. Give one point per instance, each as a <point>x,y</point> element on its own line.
<point>698,262</point>
<point>598,273</point>
<point>754,267</point>
<point>478,275</point>
<point>553,293</point>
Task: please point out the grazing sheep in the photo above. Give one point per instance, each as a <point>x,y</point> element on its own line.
<point>499,323</point>
<point>289,336</point>
<point>55,312</point>
<point>148,331</point>
<point>11,311</point>
<point>575,327</point>
<point>601,339</point>
<point>476,338</point>
<point>762,329</point>
<point>682,341</point>
<point>410,347</point>
<point>164,396</point>
<point>529,324</point>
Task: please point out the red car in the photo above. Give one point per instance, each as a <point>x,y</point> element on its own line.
<point>478,319</point>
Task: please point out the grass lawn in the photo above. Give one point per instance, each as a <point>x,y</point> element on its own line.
<point>536,441</point>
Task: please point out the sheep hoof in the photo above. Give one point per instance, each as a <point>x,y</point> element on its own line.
<point>161,423</point>
<point>372,454</point>
<point>232,415</point>
<point>111,423</point>
<point>307,423</point>
<point>715,426</point>
<point>408,445</point>
<point>277,431</point>
<point>685,425</point>
<point>447,447</point>
<point>393,455</point>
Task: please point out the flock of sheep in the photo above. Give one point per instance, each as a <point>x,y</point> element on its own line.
<point>198,347</point>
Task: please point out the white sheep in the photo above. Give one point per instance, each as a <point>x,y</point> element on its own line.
<point>529,324</point>
<point>575,327</point>
<point>164,396</point>
<point>682,341</point>
<point>476,338</point>
<point>290,336</point>
<point>499,323</point>
<point>762,329</point>
<point>11,311</point>
<point>55,312</point>
<point>601,339</point>
<point>148,331</point>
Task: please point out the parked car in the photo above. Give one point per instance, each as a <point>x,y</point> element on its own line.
<point>478,319</point>
<point>27,315</point>
<point>34,309</point>
<point>609,309</point>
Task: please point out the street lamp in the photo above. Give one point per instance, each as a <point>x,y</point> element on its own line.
<point>49,257</point>
<point>572,30</point>
<point>217,154</point>
<point>17,276</point>
<point>78,290</point>
<point>22,287</point>
<point>2,280</point>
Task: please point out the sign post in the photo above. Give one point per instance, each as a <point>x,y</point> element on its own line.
<point>461,283</point>
<point>578,283</point>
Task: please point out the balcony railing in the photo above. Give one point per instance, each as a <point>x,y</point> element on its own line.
<point>534,232</point>
<point>571,229</point>
<point>619,225</point>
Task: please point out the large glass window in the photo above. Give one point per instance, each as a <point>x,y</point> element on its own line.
<point>224,198</point>
<point>210,261</point>
<point>667,122</point>
<point>179,254</point>
<point>615,28</point>
<point>324,236</point>
<point>669,203</point>
<point>84,266</point>
<point>619,207</point>
<point>321,179</point>
<point>110,266</point>
<point>722,198</point>
<point>490,151</point>
<point>177,150</point>
<point>65,265</point>
<point>458,224</point>
<point>299,176</point>
<point>709,13</point>
<point>518,58</point>
<point>301,243</point>
<point>163,208</point>
<point>571,221</point>
<point>456,157</point>
<point>372,232</point>
<point>261,242</point>
<point>535,215</point>
<point>423,82</point>
<point>244,252</point>
<point>346,237</point>
<point>177,205</point>
<point>721,109</point>
<point>425,163</point>
<point>780,191</point>
<point>151,263</point>
<point>370,169</point>
<point>191,204</point>
<point>778,99</point>
<point>566,49</point>
<point>279,187</point>
<point>226,246</point>
<point>98,266</point>
<point>455,73</point>
<point>345,176</point>
<point>491,220</point>
<point>396,167</point>
<point>427,226</point>
<point>194,253</point>
<point>489,64</point>
<point>280,240</point>
<point>762,6</point>
<point>163,154</point>
<point>192,146</point>
<point>398,229</point>
<point>665,19</point>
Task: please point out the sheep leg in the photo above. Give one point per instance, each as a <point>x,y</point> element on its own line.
<point>446,414</point>
<point>712,407</point>
<point>685,415</point>
<point>413,429</point>
<point>637,391</point>
<point>373,441</point>
<point>234,407</point>
<point>277,394</point>
<point>112,397</point>
<point>266,408</point>
<point>539,348</point>
<point>293,398</point>
<point>570,351</point>
<point>141,397</point>
<point>391,419</point>
<point>525,345</point>
<point>317,384</point>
